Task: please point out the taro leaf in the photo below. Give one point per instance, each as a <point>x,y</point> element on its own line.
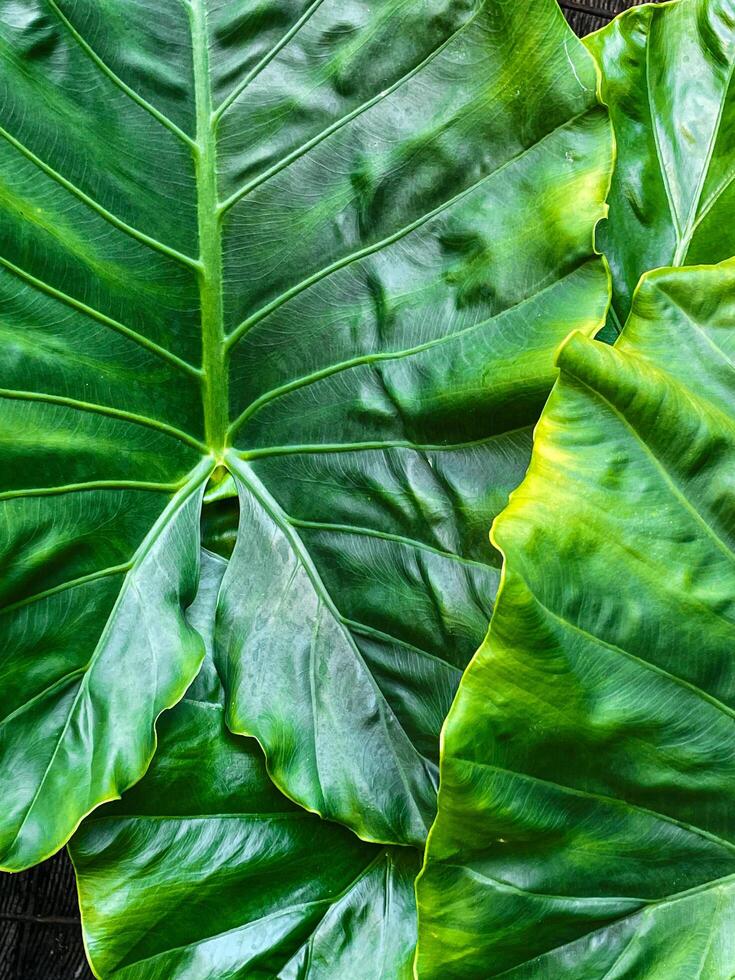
<point>205,870</point>
<point>668,79</point>
<point>586,820</point>
<point>332,246</point>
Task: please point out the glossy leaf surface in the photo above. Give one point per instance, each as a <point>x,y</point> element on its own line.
<point>205,870</point>
<point>586,819</point>
<point>329,248</point>
<point>668,79</point>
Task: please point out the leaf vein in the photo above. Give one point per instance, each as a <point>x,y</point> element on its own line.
<point>116,80</point>
<point>386,536</point>
<point>89,485</point>
<point>66,586</point>
<point>395,236</point>
<point>338,124</point>
<point>103,212</point>
<point>115,413</point>
<point>381,356</point>
<point>655,668</point>
<point>357,627</point>
<point>602,798</point>
<point>266,59</point>
<point>378,445</point>
<point>102,318</point>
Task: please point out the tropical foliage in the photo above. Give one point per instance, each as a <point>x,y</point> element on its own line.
<point>667,76</point>
<point>290,256</point>
<point>599,839</point>
<point>586,824</point>
<point>286,288</point>
<point>205,869</point>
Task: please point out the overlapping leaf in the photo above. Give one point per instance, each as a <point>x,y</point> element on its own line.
<point>206,870</point>
<point>329,248</point>
<point>668,79</point>
<point>586,821</point>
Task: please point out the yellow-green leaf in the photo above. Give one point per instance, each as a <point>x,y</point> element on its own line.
<point>586,821</point>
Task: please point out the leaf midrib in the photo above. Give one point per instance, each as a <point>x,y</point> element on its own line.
<point>215,373</point>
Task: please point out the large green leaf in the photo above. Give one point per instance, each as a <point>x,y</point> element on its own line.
<point>205,870</point>
<point>328,248</point>
<point>668,79</point>
<point>586,821</point>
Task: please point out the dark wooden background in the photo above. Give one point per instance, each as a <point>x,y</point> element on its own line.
<point>40,937</point>
<point>586,16</point>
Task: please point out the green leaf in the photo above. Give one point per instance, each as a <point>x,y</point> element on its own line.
<point>90,661</point>
<point>205,869</point>
<point>586,820</point>
<point>668,78</point>
<point>327,248</point>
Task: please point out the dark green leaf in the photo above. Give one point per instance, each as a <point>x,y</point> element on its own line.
<point>329,248</point>
<point>667,77</point>
<point>205,870</point>
<point>586,820</point>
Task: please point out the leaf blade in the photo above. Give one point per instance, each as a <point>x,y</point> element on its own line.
<point>448,358</point>
<point>388,170</point>
<point>601,818</point>
<point>246,864</point>
<point>669,194</point>
<point>105,750</point>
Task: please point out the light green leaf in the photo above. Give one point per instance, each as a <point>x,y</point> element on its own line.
<point>328,248</point>
<point>205,870</point>
<point>668,79</point>
<point>586,820</point>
